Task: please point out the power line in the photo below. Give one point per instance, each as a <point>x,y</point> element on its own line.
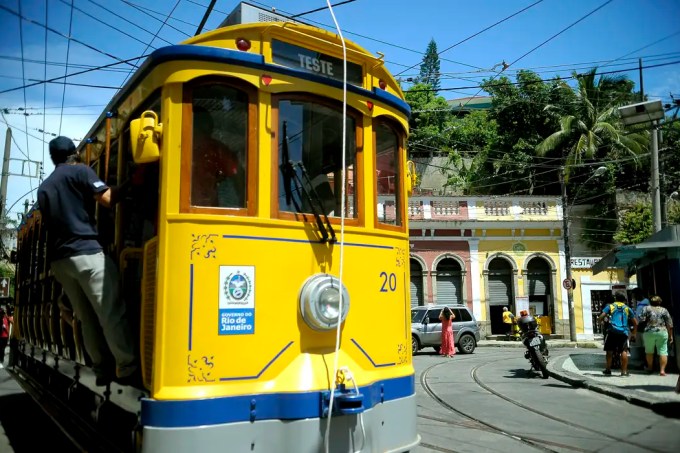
<point>477,34</point>
<point>149,43</point>
<point>62,35</point>
<point>108,24</point>
<point>618,71</point>
<point>68,49</point>
<point>23,75</point>
<point>322,8</point>
<point>145,10</point>
<point>73,74</point>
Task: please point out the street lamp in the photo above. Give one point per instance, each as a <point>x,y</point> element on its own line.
<point>648,112</point>
<point>567,251</point>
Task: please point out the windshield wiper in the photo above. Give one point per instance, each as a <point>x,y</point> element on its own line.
<point>287,167</point>
<point>290,176</point>
<point>317,198</point>
<point>300,186</point>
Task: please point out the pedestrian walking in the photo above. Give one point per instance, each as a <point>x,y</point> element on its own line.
<point>67,200</point>
<point>446,317</point>
<point>658,333</point>
<point>5,329</point>
<point>508,321</point>
<point>619,333</point>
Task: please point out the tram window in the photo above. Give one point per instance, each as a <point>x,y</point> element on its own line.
<point>387,174</point>
<point>219,146</point>
<point>310,136</point>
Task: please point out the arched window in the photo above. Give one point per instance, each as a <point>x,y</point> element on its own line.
<point>449,282</point>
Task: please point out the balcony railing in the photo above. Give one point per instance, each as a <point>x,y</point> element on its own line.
<point>452,208</point>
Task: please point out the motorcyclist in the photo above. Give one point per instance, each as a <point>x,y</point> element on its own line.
<point>528,323</point>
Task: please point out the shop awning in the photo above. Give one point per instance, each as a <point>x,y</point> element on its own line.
<point>623,256</point>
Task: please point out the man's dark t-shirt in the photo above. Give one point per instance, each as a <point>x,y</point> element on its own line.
<point>67,205</point>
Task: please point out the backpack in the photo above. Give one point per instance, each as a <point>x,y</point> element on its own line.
<point>618,318</point>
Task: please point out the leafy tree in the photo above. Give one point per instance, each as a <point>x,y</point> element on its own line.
<point>635,225</point>
<point>469,138</point>
<point>593,126</point>
<point>429,118</point>
<point>430,67</point>
<point>521,123</point>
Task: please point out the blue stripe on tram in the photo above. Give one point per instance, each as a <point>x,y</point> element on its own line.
<point>270,406</point>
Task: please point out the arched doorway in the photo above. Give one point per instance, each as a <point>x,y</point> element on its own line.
<point>501,293</point>
<point>449,282</point>
<point>417,296</point>
<point>538,279</point>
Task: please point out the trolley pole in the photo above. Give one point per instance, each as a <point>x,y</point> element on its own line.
<point>567,255</point>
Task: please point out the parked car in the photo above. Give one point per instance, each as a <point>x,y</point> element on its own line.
<point>426,328</point>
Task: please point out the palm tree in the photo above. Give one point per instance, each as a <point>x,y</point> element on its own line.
<point>593,124</point>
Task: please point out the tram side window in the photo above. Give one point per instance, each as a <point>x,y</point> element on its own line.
<point>387,174</point>
<point>219,146</point>
<point>310,140</point>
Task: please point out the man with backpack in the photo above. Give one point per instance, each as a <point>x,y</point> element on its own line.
<point>619,332</point>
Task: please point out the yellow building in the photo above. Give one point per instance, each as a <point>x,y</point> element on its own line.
<point>495,252</point>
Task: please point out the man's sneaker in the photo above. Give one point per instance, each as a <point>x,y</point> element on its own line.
<point>1,367</point>
<point>607,372</point>
<point>626,374</point>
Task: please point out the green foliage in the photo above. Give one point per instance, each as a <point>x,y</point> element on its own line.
<point>635,225</point>
<point>7,270</point>
<point>429,118</point>
<point>592,128</point>
<point>430,67</point>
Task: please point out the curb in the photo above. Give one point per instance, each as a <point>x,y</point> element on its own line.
<point>518,344</point>
<point>664,407</point>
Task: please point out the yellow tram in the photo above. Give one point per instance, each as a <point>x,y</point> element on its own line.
<point>246,236</point>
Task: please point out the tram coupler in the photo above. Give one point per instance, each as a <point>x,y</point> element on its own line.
<point>345,401</point>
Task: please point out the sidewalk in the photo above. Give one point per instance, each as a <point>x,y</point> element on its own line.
<point>584,369</point>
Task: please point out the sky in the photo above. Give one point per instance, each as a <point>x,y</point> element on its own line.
<point>550,37</point>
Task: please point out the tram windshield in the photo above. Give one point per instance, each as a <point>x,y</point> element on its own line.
<point>310,159</point>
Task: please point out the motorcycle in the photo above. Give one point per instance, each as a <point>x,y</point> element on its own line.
<point>537,349</point>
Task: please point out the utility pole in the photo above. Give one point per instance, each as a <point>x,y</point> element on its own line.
<point>5,177</point>
<point>642,86</point>
<point>656,193</point>
<point>567,255</point>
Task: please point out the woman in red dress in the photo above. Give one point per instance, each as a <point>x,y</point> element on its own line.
<point>446,317</point>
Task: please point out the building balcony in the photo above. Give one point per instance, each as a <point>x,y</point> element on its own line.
<point>431,208</point>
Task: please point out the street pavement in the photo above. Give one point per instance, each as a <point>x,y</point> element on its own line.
<point>583,369</point>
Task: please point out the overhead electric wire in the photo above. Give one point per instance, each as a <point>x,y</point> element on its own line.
<point>128,21</point>
<point>63,36</point>
<point>536,48</point>
<point>644,47</point>
<point>61,64</point>
<point>477,34</point>
<point>44,90</point>
<point>73,74</point>
<point>618,71</point>
<point>23,75</point>
<point>96,19</point>
<point>148,12</point>
<point>322,8</point>
<point>396,46</point>
<point>68,49</point>
<point>152,39</point>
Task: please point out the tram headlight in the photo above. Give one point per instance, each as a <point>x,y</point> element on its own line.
<point>320,302</point>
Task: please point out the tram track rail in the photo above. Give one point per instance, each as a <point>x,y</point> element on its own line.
<point>475,377</point>
<point>479,424</point>
<point>533,443</point>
